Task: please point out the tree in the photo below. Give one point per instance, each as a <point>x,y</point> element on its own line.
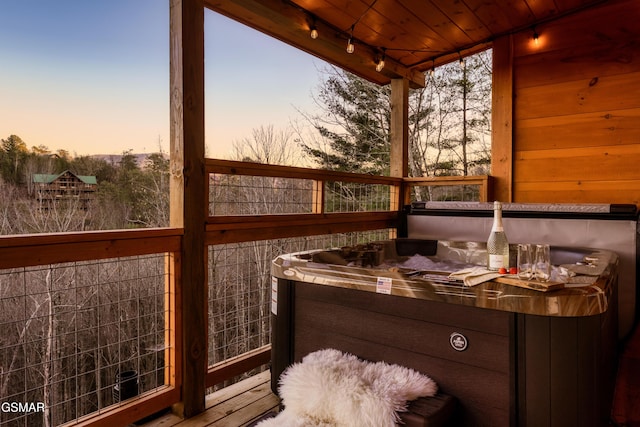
<point>449,122</point>
<point>13,151</point>
<point>154,206</point>
<point>354,127</point>
<point>269,146</point>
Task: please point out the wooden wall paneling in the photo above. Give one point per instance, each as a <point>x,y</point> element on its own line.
<point>618,92</point>
<point>577,108</point>
<point>188,209</point>
<point>615,127</point>
<point>596,42</point>
<point>618,162</point>
<point>580,192</point>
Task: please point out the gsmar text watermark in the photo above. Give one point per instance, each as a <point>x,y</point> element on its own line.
<point>21,407</point>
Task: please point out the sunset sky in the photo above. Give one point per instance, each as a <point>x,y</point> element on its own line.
<point>92,77</point>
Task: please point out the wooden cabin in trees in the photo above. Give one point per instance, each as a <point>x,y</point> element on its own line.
<point>66,186</point>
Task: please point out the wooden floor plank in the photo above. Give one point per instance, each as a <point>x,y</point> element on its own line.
<point>167,420</point>
<point>233,390</point>
<point>235,404</point>
<point>232,406</point>
<point>249,413</point>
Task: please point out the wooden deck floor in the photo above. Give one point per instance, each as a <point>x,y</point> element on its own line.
<point>235,406</point>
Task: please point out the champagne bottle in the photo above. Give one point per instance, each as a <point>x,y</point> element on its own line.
<point>497,244</point>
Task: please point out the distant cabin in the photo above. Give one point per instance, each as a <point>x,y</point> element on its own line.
<point>66,186</point>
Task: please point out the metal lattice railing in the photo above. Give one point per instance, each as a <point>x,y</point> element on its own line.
<point>257,195</point>
<point>69,330</point>
<point>240,288</point>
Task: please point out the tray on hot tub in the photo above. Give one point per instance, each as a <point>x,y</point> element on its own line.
<point>444,278</point>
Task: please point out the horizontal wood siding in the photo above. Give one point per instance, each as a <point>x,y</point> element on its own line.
<point>577,108</point>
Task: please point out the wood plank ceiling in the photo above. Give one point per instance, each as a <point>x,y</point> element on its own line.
<point>412,35</point>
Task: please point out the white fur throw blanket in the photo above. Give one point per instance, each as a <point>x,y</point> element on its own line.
<point>333,389</point>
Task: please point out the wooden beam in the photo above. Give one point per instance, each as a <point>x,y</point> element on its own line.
<point>128,412</point>
<point>291,24</point>
<point>502,119</point>
<point>42,249</point>
<point>233,229</point>
<point>235,366</point>
<point>232,167</point>
<point>399,136</point>
<point>188,207</point>
<point>484,182</point>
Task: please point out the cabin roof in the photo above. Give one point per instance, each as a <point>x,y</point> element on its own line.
<point>41,178</point>
<point>413,36</point>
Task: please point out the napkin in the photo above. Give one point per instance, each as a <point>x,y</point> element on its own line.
<point>474,275</point>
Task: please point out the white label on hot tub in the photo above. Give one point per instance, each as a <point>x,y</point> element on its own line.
<point>274,295</point>
<point>384,285</point>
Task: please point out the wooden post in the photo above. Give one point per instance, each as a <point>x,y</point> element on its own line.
<point>188,208</point>
<point>502,119</point>
<point>399,137</point>
<point>172,322</point>
<point>318,196</point>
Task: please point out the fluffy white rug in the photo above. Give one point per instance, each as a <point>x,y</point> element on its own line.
<point>333,389</point>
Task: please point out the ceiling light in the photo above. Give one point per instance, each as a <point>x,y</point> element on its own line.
<point>380,62</point>
<point>350,46</point>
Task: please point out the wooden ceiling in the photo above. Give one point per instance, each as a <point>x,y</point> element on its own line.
<point>413,35</point>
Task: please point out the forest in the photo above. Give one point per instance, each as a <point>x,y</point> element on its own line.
<point>71,329</point>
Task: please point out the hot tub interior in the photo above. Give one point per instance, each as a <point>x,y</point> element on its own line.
<point>427,255</point>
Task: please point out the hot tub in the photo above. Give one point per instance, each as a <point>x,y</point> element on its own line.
<point>510,355</point>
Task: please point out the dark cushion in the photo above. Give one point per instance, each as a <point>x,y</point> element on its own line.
<point>433,411</point>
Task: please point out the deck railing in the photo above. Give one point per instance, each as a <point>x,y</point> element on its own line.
<point>449,188</point>
<point>257,212</point>
<point>77,311</point>
<point>102,303</point>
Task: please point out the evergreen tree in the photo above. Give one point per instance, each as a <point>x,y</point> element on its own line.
<point>13,152</point>
<point>355,124</point>
<point>449,122</point>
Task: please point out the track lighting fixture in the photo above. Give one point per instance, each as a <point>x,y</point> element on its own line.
<point>461,60</point>
<point>314,32</point>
